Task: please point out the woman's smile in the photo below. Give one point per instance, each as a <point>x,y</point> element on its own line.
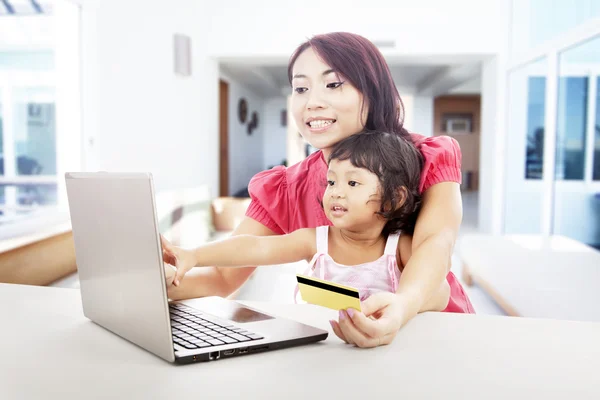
<point>319,124</point>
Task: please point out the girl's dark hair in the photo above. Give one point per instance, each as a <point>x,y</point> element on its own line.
<point>397,163</point>
<point>362,64</point>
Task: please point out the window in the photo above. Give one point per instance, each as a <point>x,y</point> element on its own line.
<point>525,147</point>
<point>596,170</point>
<point>570,127</point>
<point>576,211</point>
<point>554,97</point>
<point>536,111</point>
<point>28,158</point>
<point>39,112</point>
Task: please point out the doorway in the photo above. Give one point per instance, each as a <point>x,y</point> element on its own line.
<point>459,116</point>
<point>223,138</point>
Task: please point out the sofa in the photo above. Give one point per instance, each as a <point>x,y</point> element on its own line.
<point>534,275</point>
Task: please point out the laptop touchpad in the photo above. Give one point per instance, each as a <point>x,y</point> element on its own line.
<point>233,311</point>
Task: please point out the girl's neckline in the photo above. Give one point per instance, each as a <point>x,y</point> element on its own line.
<point>353,266</point>
<point>357,265</point>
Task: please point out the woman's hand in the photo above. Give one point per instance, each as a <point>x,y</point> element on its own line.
<point>382,316</point>
<point>183,260</point>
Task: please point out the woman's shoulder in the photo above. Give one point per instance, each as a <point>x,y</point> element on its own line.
<point>281,175</point>
<point>275,192</point>
<point>308,167</point>
<point>442,159</point>
<point>431,146</point>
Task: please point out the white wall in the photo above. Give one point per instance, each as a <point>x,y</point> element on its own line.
<point>408,101</point>
<point>275,28</point>
<point>423,115</point>
<point>492,156</point>
<point>137,114</point>
<point>245,151</point>
<point>275,135</point>
<point>418,111</point>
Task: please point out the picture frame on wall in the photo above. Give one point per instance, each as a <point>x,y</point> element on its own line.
<point>453,123</point>
<point>284,118</point>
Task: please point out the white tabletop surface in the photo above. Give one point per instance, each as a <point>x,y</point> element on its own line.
<point>48,350</point>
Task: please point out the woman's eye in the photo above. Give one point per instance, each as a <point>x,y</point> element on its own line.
<point>330,183</point>
<point>300,90</point>
<point>353,183</point>
<point>334,85</point>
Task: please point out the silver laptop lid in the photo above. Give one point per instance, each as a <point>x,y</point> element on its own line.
<point>119,257</point>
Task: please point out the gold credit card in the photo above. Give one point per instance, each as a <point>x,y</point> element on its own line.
<point>328,294</point>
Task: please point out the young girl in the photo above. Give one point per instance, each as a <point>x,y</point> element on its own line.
<point>372,200</point>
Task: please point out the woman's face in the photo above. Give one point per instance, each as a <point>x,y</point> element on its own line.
<point>326,108</point>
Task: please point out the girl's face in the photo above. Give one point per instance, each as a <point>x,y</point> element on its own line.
<point>325,106</point>
<point>352,197</point>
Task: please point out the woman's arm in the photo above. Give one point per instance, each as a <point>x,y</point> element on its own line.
<point>432,246</point>
<point>216,281</point>
<point>439,300</point>
<point>243,250</point>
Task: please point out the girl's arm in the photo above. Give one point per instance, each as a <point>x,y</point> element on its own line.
<point>439,300</point>
<point>432,245</point>
<point>215,281</point>
<point>244,250</point>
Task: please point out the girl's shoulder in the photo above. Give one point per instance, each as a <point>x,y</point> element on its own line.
<point>404,250</point>
<point>307,238</point>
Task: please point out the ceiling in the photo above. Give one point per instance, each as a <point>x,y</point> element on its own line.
<point>427,79</point>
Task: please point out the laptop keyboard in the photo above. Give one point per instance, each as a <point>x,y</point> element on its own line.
<point>194,330</point>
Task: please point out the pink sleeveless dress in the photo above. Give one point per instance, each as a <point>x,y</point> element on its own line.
<point>381,275</point>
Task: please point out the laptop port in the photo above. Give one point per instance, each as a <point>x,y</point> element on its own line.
<point>214,355</point>
<point>228,352</point>
<point>259,348</point>
<point>243,350</point>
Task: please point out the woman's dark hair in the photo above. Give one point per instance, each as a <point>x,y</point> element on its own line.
<point>397,163</point>
<point>362,64</point>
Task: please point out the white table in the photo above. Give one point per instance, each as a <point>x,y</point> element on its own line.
<point>48,349</point>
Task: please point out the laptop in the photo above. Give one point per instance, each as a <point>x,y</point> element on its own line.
<point>122,280</point>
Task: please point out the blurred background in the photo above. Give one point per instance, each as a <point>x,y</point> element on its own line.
<point>196,92</point>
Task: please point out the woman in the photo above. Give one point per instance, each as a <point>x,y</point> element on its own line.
<point>341,86</point>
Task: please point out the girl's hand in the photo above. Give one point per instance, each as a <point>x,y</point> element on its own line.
<point>183,260</point>
<point>382,316</point>
<point>170,272</point>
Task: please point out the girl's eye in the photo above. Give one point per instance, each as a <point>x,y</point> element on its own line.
<point>330,183</point>
<point>353,183</point>
<point>334,85</point>
<point>300,90</point>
